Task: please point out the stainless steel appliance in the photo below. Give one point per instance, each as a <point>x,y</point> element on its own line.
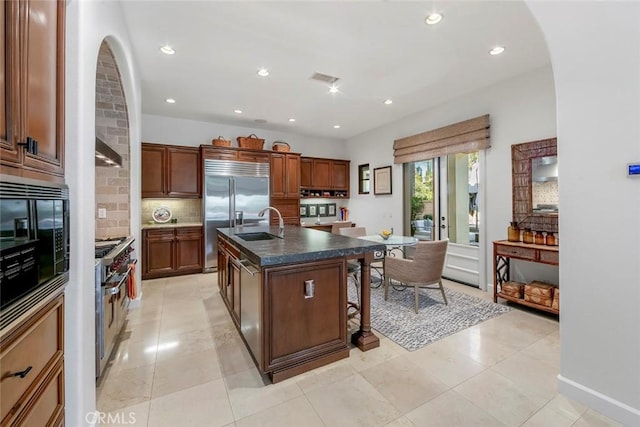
<point>114,260</point>
<point>34,243</point>
<point>232,190</point>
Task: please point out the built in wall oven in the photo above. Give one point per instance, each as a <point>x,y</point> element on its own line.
<point>34,243</point>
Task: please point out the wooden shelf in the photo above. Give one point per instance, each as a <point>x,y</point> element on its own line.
<point>527,303</point>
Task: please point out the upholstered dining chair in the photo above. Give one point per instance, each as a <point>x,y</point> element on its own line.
<point>338,225</point>
<point>422,272</point>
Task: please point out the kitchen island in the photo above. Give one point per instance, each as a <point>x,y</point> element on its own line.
<point>288,296</point>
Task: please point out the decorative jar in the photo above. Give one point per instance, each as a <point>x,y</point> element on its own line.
<point>527,236</point>
<point>539,238</point>
<point>513,232</point>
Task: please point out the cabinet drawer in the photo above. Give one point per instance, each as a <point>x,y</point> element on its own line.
<point>37,345</point>
<point>48,404</point>
<point>159,234</point>
<point>551,257</point>
<point>192,232</point>
<point>253,156</point>
<point>513,251</point>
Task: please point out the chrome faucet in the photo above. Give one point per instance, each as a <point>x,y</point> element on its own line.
<point>280,221</point>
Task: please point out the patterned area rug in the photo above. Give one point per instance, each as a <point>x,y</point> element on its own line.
<point>397,320</point>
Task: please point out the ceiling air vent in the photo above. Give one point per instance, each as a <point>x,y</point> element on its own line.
<point>324,78</point>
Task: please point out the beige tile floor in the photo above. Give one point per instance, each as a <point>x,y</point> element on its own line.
<point>180,362</point>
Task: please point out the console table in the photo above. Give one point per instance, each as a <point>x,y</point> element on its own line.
<point>504,251</point>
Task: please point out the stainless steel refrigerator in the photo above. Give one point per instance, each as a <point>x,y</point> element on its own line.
<point>229,188</point>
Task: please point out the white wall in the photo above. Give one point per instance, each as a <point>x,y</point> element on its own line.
<point>166,130</point>
<point>595,51</point>
<point>522,109</point>
<point>87,25</point>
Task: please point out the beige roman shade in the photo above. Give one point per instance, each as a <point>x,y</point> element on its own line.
<point>463,137</point>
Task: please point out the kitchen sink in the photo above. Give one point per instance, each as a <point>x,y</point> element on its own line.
<point>252,237</point>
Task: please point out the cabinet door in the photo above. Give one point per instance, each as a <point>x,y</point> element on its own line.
<point>314,324</point>
<point>235,292</point>
<point>158,253</point>
<point>9,153</point>
<point>219,153</point>
<point>189,249</point>
<point>306,172</point>
<point>42,75</point>
<point>340,175</point>
<point>278,175</point>
<point>292,181</point>
<point>183,173</point>
<point>153,171</point>
<point>322,174</point>
<point>254,156</point>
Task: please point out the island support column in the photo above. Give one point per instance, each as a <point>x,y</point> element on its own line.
<point>364,339</point>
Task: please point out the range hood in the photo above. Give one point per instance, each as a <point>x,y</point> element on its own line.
<point>106,156</point>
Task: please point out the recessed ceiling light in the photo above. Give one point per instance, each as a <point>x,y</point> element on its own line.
<point>167,50</point>
<point>292,120</point>
<point>496,50</point>
<point>433,19</point>
<point>263,72</point>
<point>170,101</point>
<point>333,89</point>
<point>388,102</point>
<point>237,111</point>
<point>336,126</point>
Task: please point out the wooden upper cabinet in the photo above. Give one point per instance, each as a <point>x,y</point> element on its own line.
<point>285,175</point>
<point>324,177</point>
<point>183,172</point>
<point>322,173</point>
<point>306,172</point>
<point>170,171</point>
<point>292,188</point>
<point>278,175</point>
<point>340,175</point>
<point>153,170</point>
<point>33,89</point>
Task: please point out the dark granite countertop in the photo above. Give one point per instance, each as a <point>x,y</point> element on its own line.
<point>300,244</point>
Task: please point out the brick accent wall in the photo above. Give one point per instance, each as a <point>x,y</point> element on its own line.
<point>112,126</point>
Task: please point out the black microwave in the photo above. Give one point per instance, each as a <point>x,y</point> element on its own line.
<point>34,237</point>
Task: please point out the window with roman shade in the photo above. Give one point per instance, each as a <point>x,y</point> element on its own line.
<point>462,137</point>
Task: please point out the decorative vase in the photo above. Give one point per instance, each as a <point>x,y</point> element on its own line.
<point>513,232</point>
<point>527,236</point>
<point>539,238</point>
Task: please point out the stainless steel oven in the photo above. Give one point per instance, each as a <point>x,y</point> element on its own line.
<point>113,280</point>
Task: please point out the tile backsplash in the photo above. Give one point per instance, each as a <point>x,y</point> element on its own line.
<point>184,210</point>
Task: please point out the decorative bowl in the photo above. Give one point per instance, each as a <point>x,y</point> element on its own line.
<point>385,234</point>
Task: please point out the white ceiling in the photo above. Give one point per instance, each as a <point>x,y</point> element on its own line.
<point>379,50</point>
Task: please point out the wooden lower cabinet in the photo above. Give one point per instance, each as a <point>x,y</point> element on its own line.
<point>32,360</point>
<point>302,328</point>
<point>287,330</point>
<point>171,251</point>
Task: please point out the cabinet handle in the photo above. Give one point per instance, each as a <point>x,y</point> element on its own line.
<point>22,374</point>
<point>309,289</point>
<point>31,145</point>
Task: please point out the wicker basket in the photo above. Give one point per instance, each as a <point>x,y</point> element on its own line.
<point>281,146</point>
<point>221,142</point>
<point>251,141</point>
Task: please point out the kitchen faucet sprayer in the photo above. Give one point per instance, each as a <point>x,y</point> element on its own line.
<point>280,221</point>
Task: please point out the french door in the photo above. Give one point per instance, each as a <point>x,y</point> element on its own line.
<point>442,201</point>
